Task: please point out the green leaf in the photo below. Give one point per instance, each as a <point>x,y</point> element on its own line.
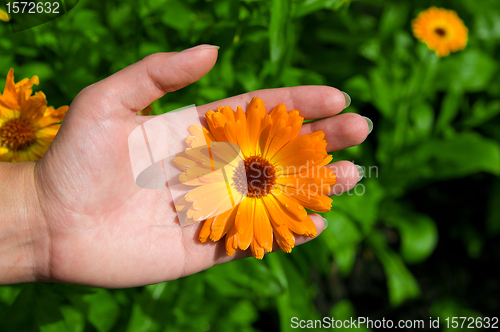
<point>243,313</point>
<point>17,310</point>
<point>306,7</point>
<point>482,112</point>
<point>295,299</point>
<point>418,236</point>
<point>449,109</point>
<point>227,69</point>
<point>178,16</point>
<point>367,194</point>
<point>74,318</point>
<point>239,278</point>
<point>393,18</point>
<point>462,155</point>
<point>247,78</point>
<point>119,16</point>
<point>371,49</point>
<point>381,87</point>
<point>139,321</point>
<point>449,308</point>
<point>400,282</point>
<point>358,88</point>
<point>101,309</point>
<point>344,310</point>
<point>470,70</point>
<point>8,294</point>
<point>47,313</point>
<point>42,70</point>
<point>342,237</point>
<point>277,29</point>
<point>472,240</point>
<point>422,116</point>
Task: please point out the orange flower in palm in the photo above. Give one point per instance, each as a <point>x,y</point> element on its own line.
<point>27,125</point>
<point>283,174</point>
<point>441,29</point>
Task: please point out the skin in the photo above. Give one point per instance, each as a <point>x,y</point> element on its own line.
<point>77,216</point>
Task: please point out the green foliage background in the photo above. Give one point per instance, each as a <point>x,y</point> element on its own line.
<point>418,237</point>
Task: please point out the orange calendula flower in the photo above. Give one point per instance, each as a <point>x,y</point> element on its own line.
<point>278,175</point>
<point>27,125</point>
<point>4,16</point>
<point>441,29</point>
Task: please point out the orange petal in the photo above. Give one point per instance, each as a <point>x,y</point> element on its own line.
<point>255,113</point>
<point>223,223</point>
<point>310,200</point>
<point>231,242</point>
<point>279,136</point>
<point>284,238</point>
<point>216,122</point>
<point>245,215</point>
<point>227,112</point>
<point>314,179</point>
<point>205,230</point>
<point>263,231</point>
<point>244,222</point>
<point>289,204</point>
<point>280,217</point>
<point>257,251</point>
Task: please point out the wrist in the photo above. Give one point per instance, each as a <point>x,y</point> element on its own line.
<point>24,249</point>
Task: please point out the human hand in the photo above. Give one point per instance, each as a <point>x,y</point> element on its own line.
<point>100,226</point>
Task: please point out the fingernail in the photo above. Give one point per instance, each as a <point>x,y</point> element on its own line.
<point>347,100</point>
<point>201,47</point>
<point>370,124</point>
<point>361,172</point>
<point>326,223</point>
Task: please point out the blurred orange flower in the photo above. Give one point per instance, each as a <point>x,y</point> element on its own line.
<point>441,29</point>
<point>4,16</point>
<point>27,125</point>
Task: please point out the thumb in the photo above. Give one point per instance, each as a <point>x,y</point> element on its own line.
<point>132,89</point>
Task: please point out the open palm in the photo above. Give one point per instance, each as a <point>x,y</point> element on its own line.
<point>106,231</point>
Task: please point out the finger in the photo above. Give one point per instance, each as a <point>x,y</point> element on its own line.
<point>312,102</point>
<point>341,131</point>
<point>132,89</point>
<point>347,176</point>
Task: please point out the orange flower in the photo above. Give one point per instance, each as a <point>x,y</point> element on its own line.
<point>441,29</point>
<point>27,125</point>
<point>282,175</point>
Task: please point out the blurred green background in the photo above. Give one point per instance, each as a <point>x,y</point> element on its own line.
<point>419,236</point>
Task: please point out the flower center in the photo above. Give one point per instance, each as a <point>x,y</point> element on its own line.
<point>260,177</point>
<point>17,134</point>
<point>440,32</point>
